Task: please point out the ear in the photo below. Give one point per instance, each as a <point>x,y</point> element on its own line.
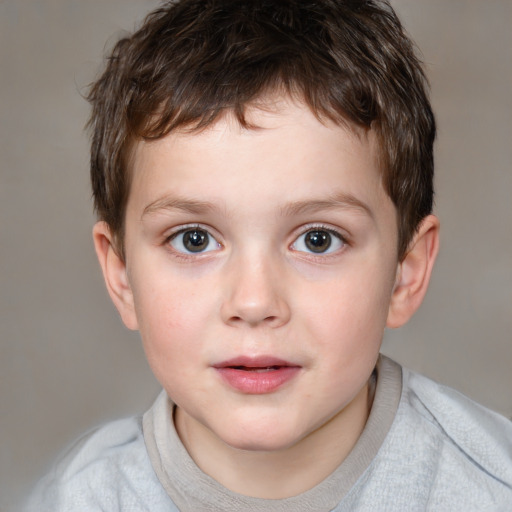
<point>114,273</point>
<point>414,272</point>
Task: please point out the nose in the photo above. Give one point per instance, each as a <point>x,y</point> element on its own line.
<point>255,294</point>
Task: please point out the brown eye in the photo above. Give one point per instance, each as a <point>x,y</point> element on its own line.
<point>318,240</point>
<point>193,241</point>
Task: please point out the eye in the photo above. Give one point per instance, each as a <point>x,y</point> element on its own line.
<point>194,240</point>
<point>318,241</point>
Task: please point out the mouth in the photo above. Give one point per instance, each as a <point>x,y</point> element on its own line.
<point>256,368</point>
<point>256,376</point>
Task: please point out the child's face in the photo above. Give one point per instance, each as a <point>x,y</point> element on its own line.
<point>261,264</point>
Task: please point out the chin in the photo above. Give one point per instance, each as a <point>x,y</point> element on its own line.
<point>265,438</point>
<point>258,445</point>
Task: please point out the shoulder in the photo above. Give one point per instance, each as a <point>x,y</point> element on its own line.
<point>479,434</point>
<point>106,445</point>
<point>443,452</point>
<point>105,467</point>
<point>465,447</point>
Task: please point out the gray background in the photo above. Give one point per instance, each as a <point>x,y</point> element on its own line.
<point>66,361</point>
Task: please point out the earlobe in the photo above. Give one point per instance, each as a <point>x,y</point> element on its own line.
<point>413,274</point>
<point>114,273</point>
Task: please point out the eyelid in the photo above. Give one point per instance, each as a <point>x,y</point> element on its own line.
<point>321,226</point>
<point>335,232</point>
<point>179,230</point>
<point>175,231</point>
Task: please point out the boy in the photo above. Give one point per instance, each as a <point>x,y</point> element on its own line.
<point>263,174</point>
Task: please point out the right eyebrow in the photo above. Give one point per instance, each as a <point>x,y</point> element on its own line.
<point>340,200</point>
<point>176,203</point>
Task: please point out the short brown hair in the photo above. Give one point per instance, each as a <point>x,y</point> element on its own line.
<point>348,60</point>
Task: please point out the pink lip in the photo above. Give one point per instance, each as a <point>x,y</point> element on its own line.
<point>256,375</point>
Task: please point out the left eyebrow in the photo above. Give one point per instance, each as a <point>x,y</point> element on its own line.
<point>336,201</point>
<point>176,203</point>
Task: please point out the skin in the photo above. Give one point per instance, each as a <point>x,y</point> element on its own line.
<point>258,290</point>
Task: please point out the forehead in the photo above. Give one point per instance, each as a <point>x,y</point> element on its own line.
<point>284,152</point>
<point>269,111</point>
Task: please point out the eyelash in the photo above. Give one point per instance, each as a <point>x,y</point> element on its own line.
<point>183,229</point>
<point>312,227</point>
<point>322,227</point>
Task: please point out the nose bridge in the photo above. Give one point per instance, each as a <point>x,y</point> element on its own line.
<point>255,293</point>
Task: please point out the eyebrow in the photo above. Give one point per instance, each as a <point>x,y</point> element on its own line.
<point>340,200</point>
<point>177,203</point>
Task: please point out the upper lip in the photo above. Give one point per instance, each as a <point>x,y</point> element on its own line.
<point>253,362</point>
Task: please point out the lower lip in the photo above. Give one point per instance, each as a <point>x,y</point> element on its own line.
<point>257,382</point>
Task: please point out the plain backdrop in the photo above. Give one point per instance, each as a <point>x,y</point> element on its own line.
<point>67,363</point>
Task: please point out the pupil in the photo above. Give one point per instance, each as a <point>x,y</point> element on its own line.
<point>318,241</point>
<point>195,241</point>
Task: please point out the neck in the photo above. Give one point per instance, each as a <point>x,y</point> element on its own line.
<point>282,473</point>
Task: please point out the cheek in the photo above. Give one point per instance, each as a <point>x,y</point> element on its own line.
<point>174,327</point>
<point>347,321</point>
<point>172,318</point>
<point>349,311</point>
<point>171,335</point>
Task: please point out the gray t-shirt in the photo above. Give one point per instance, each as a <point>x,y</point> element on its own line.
<point>425,447</point>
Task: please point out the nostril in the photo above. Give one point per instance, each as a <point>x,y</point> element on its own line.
<point>254,320</point>
<point>254,302</point>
